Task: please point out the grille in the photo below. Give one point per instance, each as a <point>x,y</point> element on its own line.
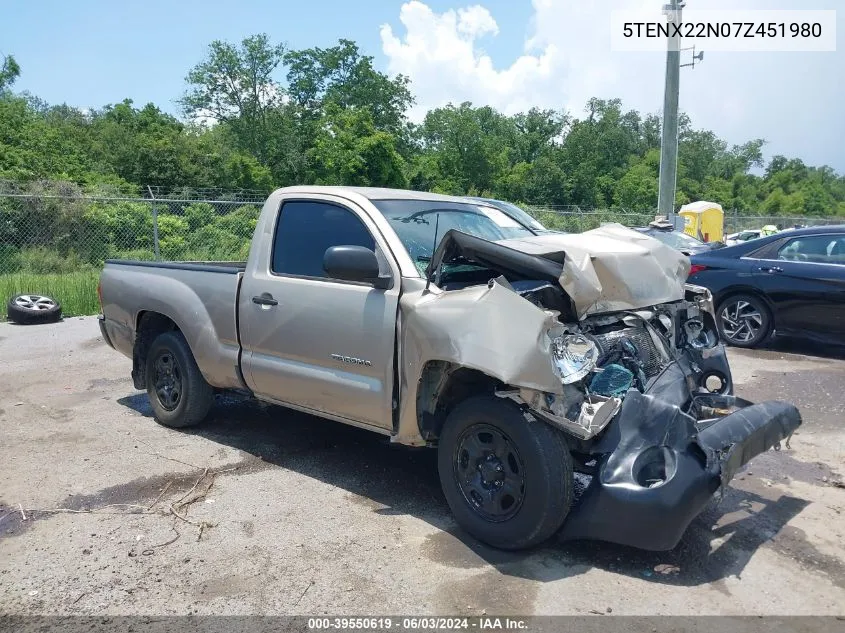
<point>647,352</point>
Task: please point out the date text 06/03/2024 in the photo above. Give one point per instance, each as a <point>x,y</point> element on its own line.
<point>483,623</point>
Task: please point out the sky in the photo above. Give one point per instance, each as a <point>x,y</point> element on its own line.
<point>510,54</point>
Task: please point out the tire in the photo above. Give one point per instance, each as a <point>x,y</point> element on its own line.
<point>744,320</point>
<point>543,464</point>
<point>179,395</point>
<point>29,308</point>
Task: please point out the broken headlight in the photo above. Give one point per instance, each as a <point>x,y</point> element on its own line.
<point>573,357</point>
<point>698,336</point>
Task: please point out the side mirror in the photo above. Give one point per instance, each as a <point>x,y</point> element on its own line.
<point>353,263</point>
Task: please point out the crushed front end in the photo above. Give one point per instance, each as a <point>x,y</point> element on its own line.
<point>647,403</point>
<point>616,351</point>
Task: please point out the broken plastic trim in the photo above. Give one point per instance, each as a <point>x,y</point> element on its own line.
<point>659,467</point>
<point>594,413</point>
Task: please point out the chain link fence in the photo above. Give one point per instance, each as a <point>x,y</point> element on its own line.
<point>572,219</point>
<point>54,236</point>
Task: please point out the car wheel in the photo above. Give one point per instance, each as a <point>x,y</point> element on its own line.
<point>506,476</point>
<point>179,395</point>
<point>26,309</point>
<point>744,321</point>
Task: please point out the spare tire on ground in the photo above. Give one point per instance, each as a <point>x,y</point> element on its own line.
<point>33,309</point>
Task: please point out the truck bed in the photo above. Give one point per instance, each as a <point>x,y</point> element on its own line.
<point>208,267</point>
<point>199,296</point>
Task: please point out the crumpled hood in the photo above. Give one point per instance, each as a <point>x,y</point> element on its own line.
<point>611,268</point>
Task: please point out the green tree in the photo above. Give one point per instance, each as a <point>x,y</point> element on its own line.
<point>9,72</point>
<point>637,189</point>
<point>349,150</point>
<point>235,85</point>
<point>469,147</point>
<point>341,76</point>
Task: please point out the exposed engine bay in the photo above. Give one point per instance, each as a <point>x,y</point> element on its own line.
<point>641,384</point>
<point>598,358</point>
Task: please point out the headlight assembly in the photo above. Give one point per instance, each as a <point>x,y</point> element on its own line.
<point>573,357</point>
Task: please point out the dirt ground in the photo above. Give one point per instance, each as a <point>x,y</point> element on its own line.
<point>282,513</point>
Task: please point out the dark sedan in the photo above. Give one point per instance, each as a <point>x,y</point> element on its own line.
<point>687,244</point>
<point>792,282</point>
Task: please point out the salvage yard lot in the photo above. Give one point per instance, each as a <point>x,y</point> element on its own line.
<point>265,510</point>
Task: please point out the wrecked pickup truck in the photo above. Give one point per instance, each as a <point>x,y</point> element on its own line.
<point>440,321</point>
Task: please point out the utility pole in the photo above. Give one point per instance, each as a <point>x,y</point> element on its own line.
<point>669,140</point>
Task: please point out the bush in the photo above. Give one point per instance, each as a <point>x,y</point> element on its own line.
<point>172,231</point>
<point>130,224</point>
<point>240,222</point>
<point>214,243</point>
<point>199,215</point>
<point>141,254</point>
<point>41,261</point>
<point>9,259</point>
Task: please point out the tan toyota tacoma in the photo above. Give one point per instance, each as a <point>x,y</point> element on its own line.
<point>440,321</point>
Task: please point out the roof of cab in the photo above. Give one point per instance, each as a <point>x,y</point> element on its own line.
<point>812,230</point>
<point>374,193</point>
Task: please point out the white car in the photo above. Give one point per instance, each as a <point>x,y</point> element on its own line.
<point>743,236</point>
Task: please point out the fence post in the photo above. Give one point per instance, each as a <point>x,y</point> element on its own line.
<point>155,223</point>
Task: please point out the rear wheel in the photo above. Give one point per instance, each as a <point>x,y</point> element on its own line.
<point>507,478</point>
<point>179,395</point>
<point>744,321</point>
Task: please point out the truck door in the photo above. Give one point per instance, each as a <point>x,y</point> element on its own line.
<point>311,341</point>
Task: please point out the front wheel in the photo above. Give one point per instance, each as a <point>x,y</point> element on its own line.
<point>744,321</point>
<point>179,395</point>
<point>507,477</point>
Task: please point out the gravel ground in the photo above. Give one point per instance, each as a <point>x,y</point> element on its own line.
<point>296,515</point>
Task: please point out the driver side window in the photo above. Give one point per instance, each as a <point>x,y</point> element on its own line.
<point>820,249</point>
<point>306,229</point>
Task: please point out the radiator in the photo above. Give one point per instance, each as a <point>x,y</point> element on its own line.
<point>649,355</point>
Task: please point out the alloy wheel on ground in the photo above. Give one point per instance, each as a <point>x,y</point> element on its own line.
<point>34,302</point>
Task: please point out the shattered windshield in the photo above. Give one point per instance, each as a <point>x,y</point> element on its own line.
<point>421,224</point>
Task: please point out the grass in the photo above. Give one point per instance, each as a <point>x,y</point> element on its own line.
<point>76,291</point>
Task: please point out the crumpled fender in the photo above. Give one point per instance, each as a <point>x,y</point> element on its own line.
<point>473,328</point>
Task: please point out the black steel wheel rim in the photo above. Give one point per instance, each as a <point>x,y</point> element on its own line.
<point>168,380</point>
<point>489,472</point>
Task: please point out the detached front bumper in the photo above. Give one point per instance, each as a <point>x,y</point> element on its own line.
<point>660,466</point>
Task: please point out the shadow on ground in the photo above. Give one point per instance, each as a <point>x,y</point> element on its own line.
<point>401,481</point>
<point>803,347</point>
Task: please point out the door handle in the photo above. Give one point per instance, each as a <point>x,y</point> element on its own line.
<point>770,269</point>
<point>265,300</point>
